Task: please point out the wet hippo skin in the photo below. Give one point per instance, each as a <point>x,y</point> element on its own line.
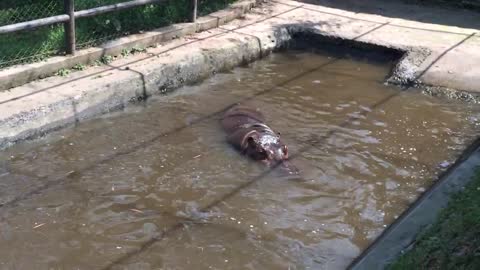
<point>247,132</point>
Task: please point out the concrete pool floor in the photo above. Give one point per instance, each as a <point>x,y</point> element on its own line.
<point>443,56</point>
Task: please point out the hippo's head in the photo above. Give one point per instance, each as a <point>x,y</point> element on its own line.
<point>265,147</point>
<point>269,149</point>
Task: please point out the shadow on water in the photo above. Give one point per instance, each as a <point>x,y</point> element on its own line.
<point>314,142</point>
<point>145,143</point>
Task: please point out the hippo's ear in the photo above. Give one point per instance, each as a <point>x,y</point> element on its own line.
<point>253,135</point>
<point>252,140</point>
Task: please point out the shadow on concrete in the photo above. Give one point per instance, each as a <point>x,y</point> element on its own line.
<point>399,9</point>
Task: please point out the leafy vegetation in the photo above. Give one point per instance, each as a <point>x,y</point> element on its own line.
<point>63,72</point>
<point>453,241</point>
<point>79,67</point>
<point>38,44</point>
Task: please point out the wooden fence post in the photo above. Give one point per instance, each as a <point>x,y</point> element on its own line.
<point>193,14</point>
<point>69,26</point>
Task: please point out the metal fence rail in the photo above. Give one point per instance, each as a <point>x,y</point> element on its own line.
<point>30,30</point>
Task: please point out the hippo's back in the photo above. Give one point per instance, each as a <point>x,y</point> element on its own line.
<point>238,116</point>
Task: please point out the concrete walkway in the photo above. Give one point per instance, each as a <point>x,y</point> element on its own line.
<point>439,55</point>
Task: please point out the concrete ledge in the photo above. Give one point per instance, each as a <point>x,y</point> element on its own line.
<point>21,74</point>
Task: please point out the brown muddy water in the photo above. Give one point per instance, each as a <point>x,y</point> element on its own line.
<point>156,186</point>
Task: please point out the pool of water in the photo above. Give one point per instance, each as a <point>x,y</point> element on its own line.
<point>156,186</point>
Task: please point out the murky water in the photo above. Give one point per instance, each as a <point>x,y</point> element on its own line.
<point>157,187</point>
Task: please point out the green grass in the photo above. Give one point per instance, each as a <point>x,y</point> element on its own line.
<point>36,45</point>
<point>453,241</point>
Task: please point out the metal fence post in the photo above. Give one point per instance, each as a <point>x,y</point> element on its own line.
<point>193,14</point>
<point>69,8</point>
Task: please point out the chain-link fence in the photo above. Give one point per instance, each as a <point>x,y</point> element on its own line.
<point>29,46</point>
<point>34,45</point>
<point>15,11</point>
<point>95,30</point>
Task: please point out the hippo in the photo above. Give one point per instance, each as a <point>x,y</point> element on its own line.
<point>247,132</point>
